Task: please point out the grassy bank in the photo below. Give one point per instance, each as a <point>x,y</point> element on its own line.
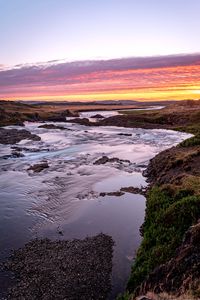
<point>168,217</point>
<point>173,206</point>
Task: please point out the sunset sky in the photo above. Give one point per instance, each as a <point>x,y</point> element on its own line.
<point>99,50</point>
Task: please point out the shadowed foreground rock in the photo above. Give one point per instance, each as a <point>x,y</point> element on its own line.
<point>72,270</point>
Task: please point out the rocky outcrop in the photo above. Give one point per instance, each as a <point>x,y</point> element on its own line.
<point>125,134</point>
<point>104,159</point>
<point>173,165</point>
<point>123,190</point>
<point>116,194</point>
<point>13,136</point>
<point>83,121</point>
<point>25,149</point>
<point>37,168</point>
<point>97,116</point>
<point>134,190</point>
<point>52,126</point>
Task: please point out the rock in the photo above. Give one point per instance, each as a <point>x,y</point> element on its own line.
<point>83,121</point>
<point>117,194</point>
<point>52,126</point>
<point>141,166</point>
<point>101,161</point>
<point>16,148</point>
<point>125,134</point>
<point>13,136</point>
<point>133,190</point>
<point>38,167</point>
<point>97,116</point>
<point>19,149</point>
<point>54,118</point>
<point>16,154</point>
<point>104,159</point>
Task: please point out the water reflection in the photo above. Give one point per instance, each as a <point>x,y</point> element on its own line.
<point>65,196</point>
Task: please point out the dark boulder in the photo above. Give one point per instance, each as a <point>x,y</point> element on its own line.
<point>97,116</point>
<point>37,168</point>
<point>13,136</point>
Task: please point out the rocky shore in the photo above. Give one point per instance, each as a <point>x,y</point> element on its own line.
<point>77,269</point>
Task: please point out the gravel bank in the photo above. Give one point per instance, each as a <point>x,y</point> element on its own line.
<point>72,270</point>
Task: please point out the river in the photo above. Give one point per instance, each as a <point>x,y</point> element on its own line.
<point>64,202</point>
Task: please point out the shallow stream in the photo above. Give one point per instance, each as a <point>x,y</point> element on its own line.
<point>63,201</point>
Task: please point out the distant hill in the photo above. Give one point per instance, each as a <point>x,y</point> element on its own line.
<point>103,102</point>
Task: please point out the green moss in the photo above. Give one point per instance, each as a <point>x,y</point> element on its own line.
<point>167,219</point>
<point>193,141</point>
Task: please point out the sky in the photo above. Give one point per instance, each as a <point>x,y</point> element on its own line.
<point>55,49</point>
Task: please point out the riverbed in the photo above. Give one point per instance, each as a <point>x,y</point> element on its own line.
<point>63,201</point>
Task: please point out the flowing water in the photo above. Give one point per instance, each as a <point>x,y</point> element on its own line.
<point>110,113</point>
<point>64,202</point>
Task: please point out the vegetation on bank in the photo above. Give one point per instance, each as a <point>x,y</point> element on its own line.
<point>169,214</point>
<point>173,206</point>
<point>193,141</point>
<point>168,217</point>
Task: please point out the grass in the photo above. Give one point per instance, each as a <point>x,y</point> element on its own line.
<point>168,217</point>
<point>192,184</point>
<point>193,141</point>
<point>171,208</point>
<point>134,111</point>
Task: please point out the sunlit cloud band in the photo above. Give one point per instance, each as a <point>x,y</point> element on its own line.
<point>148,78</point>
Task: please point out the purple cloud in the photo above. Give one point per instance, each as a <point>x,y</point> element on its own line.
<point>67,73</point>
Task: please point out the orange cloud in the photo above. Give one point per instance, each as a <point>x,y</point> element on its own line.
<point>170,77</point>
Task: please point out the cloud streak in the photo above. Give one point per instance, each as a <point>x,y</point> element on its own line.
<point>84,79</point>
